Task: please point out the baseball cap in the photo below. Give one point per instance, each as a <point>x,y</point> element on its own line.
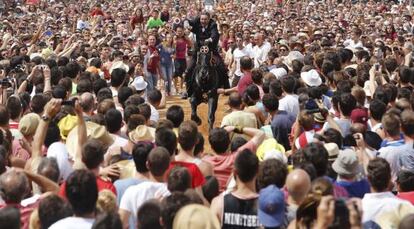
<point>271,206</point>
<point>28,124</point>
<point>333,150</point>
<point>359,115</point>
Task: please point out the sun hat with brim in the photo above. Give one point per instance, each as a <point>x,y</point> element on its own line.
<point>271,210</point>
<point>346,163</point>
<point>311,78</point>
<point>318,117</point>
<point>268,145</point>
<point>66,124</point>
<point>139,83</point>
<point>94,131</point>
<point>127,169</point>
<point>278,72</point>
<point>275,154</point>
<point>142,134</point>
<point>195,216</point>
<point>28,124</point>
<point>293,55</point>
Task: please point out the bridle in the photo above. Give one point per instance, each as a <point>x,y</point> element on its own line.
<point>205,50</point>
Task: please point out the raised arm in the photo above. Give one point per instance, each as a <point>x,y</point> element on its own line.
<point>215,36</point>
<point>82,133</point>
<point>51,109</point>
<point>47,78</point>
<point>45,183</point>
<point>257,136</point>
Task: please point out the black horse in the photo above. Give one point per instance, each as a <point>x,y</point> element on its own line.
<point>205,85</point>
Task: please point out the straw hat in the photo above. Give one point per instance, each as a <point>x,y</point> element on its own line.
<point>94,131</point>
<point>195,216</point>
<point>142,134</point>
<point>66,124</point>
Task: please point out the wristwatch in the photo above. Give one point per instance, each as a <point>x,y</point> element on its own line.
<point>45,118</point>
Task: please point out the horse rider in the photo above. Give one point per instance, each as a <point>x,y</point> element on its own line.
<point>206,33</point>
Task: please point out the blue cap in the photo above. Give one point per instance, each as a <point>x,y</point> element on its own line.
<point>271,206</point>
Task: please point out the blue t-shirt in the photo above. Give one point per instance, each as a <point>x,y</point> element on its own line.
<point>355,188</point>
<point>281,126</point>
<point>122,185</point>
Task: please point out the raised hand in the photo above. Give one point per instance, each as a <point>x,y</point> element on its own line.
<point>53,107</point>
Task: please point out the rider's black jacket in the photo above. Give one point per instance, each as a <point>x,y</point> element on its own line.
<point>210,31</point>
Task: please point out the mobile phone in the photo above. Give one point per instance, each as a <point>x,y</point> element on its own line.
<point>48,33</point>
<point>377,66</point>
<point>69,103</point>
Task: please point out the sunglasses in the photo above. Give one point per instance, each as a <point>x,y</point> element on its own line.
<point>282,50</point>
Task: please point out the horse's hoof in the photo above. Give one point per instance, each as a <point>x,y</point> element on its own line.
<point>196,119</point>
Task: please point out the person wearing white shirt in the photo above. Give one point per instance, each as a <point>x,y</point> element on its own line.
<point>58,151</point>
<point>158,162</point>
<point>260,50</point>
<point>289,102</point>
<point>156,100</point>
<point>355,41</point>
<point>239,52</point>
<point>82,23</point>
<point>381,203</point>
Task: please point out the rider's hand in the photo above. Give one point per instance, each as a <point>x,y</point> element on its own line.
<point>208,40</point>
<point>220,91</point>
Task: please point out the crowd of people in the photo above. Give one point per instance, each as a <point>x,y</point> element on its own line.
<point>318,130</point>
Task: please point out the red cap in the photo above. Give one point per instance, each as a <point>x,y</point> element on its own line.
<point>359,115</point>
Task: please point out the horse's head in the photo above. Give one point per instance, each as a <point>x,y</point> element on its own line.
<point>205,74</point>
<point>204,56</point>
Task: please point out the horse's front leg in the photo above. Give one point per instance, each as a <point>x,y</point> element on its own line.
<point>212,107</point>
<point>194,103</point>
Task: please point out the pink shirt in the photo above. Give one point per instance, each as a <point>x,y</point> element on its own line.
<point>25,211</point>
<point>223,164</point>
<point>19,151</point>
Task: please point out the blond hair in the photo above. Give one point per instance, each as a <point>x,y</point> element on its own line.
<point>106,201</point>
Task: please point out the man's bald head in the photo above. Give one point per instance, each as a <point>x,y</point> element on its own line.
<point>87,102</point>
<point>14,185</point>
<point>298,184</point>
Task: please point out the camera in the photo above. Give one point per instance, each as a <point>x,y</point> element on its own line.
<point>17,69</point>
<point>70,102</point>
<point>6,83</point>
